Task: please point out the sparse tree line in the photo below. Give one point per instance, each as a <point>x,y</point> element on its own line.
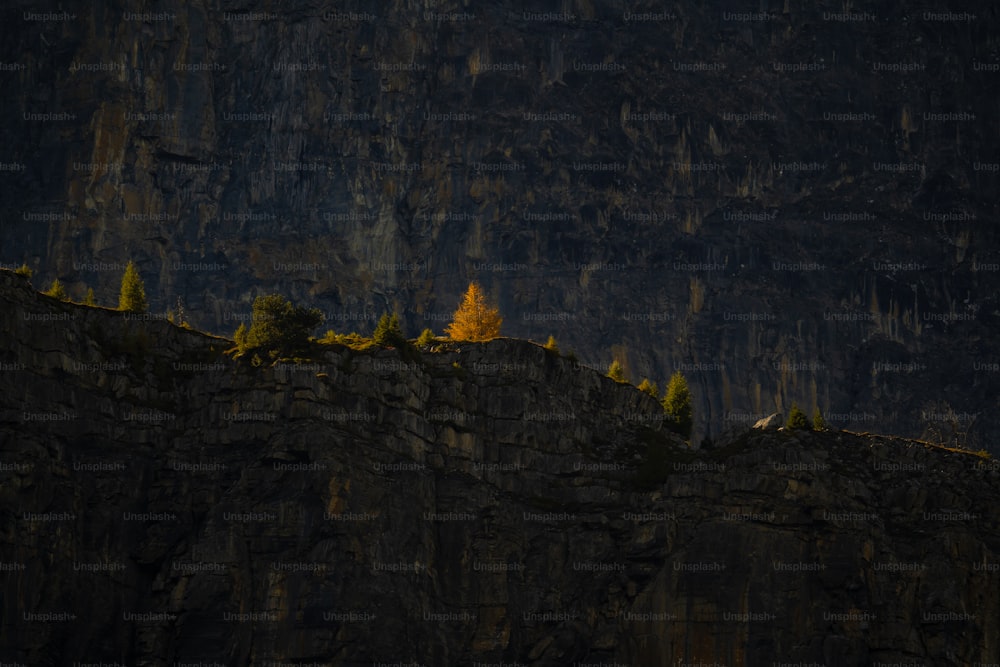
<point>676,400</point>
<point>676,403</point>
<point>131,295</point>
<point>279,329</point>
<point>797,420</point>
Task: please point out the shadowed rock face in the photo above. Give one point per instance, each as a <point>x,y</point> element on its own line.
<point>778,204</point>
<point>375,506</point>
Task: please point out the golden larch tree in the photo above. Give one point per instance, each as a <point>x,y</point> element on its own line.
<point>133,293</point>
<point>475,319</point>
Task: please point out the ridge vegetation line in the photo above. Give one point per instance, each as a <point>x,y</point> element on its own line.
<point>280,334</point>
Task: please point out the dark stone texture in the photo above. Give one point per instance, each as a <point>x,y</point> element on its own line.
<point>492,481</point>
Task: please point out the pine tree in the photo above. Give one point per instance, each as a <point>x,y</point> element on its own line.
<point>278,328</point>
<point>677,404</point>
<point>796,419</point>
<point>57,291</point>
<point>551,344</point>
<point>616,372</point>
<point>24,270</point>
<point>388,331</point>
<point>475,319</point>
<point>426,339</point>
<point>132,298</point>
<point>89,300</point>
<point>819,424</point>
<point>649,388</point>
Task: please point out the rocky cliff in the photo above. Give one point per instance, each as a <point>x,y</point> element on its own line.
<point>794,203</point>
<point>491,504</point>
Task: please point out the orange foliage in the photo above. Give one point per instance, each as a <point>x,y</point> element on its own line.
<point>474,320</point>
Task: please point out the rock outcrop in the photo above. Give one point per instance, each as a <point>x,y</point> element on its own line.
<point>790,204</point>
<point>771,421</point>
<point>493,503</point>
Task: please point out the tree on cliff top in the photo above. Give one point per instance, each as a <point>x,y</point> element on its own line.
<point>615,371</point>
<point>677,404</point>
<point>57,291</point>
<point>797,419</point>
<point>650,388</point>
<point>475,319</point>
<point>388,332</point>
<point>132,298</point>
<point>277,328</point>
<point>426,338</point>
<point>819,424</point>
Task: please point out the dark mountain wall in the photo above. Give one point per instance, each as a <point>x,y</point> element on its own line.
<point>794,203</point>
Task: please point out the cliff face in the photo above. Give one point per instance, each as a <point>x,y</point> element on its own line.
<point>163,504</point>
<point>790,204</point>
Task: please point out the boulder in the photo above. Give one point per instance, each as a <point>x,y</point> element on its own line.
<point>775,420</point>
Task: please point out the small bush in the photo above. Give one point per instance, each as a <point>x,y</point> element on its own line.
<point>426,339</point>
<point>650,388</point>
<point>353,340</point>
<point>57,291</point>
<point>550,344</point>
<point>616,372</point>
<point>24,271</point>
